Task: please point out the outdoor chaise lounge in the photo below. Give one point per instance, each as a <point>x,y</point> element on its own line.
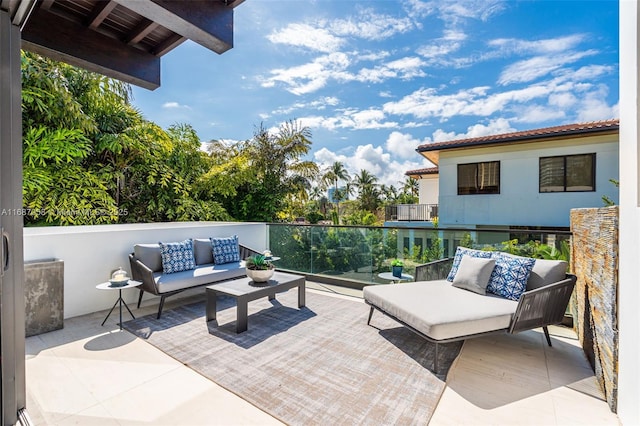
<point>438,309</point>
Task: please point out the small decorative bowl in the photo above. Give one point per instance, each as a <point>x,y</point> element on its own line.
<point>119,282</point>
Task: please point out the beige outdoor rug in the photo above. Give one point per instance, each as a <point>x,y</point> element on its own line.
<point>320,365</point>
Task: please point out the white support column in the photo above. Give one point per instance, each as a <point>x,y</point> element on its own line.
<point>12,325</point>
<point>629,266</point>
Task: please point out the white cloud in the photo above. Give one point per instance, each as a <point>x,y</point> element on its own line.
<point>175,105</point>
<point>404,68</point>
<point>351,118</point>
<point>539,114</point>
<point>376,160</point>
<point>318,104</point>
<point>495,127</point>
<point>450,42</point>
<point>369,25</point>
<point>304,35</point>
<point>539,66</point>
<point>593,106</point>
<point>403,144</point>
<point>534,103</point>
<point>311,76</point>
<point>544,46</point>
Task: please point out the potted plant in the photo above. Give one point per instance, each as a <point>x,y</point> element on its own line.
<point>258,268</point>
<point>396,267</point>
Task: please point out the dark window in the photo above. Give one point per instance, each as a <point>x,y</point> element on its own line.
<point>568,173</point>
<point>479,178</point>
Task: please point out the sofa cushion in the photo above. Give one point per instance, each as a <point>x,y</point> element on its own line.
<point>510,275</point>
<point>546,272</point>
<point>457,258</point>
<point>473,274</point>
<point>225,249</point>
<point>177,256</point>
<point>440,310</point>
<point>202,251</point>
<point>149,254</point>
<point>201,275</point>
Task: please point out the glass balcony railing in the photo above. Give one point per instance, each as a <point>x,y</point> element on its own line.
<point>359,254</point>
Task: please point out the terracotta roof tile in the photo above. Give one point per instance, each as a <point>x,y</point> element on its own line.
<point>526,135</point>
<point>427,171</point>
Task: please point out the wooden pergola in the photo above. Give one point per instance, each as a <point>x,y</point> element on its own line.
<point>122,39</point>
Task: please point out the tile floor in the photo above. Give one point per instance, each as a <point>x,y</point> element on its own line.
<point>86,374</point>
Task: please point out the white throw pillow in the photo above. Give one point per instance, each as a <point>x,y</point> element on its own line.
<point>473,274</point>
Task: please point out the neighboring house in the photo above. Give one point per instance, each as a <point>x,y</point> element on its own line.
<point>428,181</point>
<point>523,179</point>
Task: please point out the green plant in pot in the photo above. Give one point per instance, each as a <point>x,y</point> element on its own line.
<point>396,267</point>
<point>258,268</point>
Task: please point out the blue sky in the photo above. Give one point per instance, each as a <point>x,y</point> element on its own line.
<point>375,79</point>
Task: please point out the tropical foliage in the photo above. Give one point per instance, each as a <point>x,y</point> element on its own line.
<point>91,158</point>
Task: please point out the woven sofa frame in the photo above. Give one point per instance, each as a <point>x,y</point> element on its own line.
<point>536,308</point>
<point>140,272</point>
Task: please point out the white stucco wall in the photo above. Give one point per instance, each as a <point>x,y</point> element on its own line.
<point>519,201</point>
<point>629,266</point>
<point>429,189</point>
<point>90,253</point>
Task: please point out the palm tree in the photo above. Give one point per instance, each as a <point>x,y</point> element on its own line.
<point>390,193</point>
<point>280,171</point>
<point>315,193</point>
<point>334,174</point>
<point>411,186</point>
<point>368,191</point>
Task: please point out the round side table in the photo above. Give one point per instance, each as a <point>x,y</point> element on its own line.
<point>109,286</point>
<point>390,277</point>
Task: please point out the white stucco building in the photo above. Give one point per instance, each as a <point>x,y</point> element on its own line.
<point>528,178</point>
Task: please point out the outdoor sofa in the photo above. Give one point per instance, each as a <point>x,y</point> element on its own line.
<point>441,310</point>
<point>164,278</point>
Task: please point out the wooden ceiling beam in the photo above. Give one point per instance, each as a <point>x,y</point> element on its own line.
<point>97,52</point>
<point>141,31</point>
<point>100,13</point>
<point>168,44</point>
<point>208,23</point>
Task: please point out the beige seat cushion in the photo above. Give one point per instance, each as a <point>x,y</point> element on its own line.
<point>202,274</point>
<point>441,311</point>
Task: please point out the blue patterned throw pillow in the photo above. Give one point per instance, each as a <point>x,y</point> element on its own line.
<point>177,257</point>
<point>225,250</point>
<point>510,275</point>
<point>457,258</point>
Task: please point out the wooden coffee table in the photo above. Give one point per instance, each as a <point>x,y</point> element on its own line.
<point>244,290</point>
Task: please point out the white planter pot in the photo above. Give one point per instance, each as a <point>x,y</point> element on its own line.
<point>260,275</point>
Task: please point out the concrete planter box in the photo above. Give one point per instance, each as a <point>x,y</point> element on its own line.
<point>44,296</point>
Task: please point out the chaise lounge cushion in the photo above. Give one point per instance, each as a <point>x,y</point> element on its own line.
<point>457,258</point>
<point>510,275</point>
<point>474,273</point>
<point>545,272</point>
<point>440,310</point>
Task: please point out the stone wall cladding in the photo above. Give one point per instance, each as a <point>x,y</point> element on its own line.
<point>594,260</point>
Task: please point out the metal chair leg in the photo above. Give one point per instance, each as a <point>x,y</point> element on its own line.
<point>546,334</point>
<point>370,315</point>
<point>140,297</point>
<point>160,307</point>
